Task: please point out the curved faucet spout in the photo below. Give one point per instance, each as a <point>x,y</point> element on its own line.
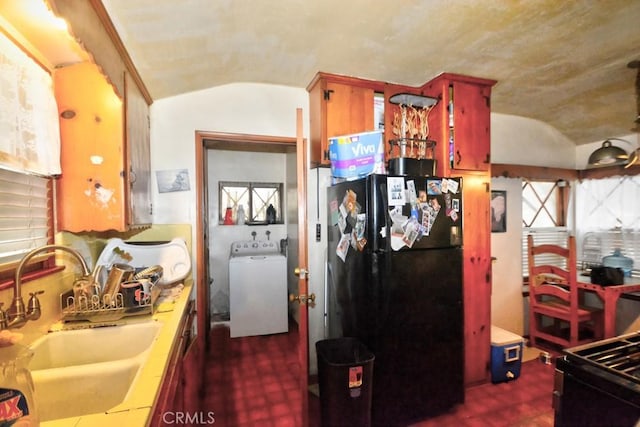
<point>17,314</point>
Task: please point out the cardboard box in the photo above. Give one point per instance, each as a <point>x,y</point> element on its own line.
<point>506,355</point>
<point>357,155</point>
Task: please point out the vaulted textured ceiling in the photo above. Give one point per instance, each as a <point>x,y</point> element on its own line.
<point>561,62</point>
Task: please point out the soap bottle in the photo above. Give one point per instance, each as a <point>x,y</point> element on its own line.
<point>271,215</point>
<point>17,405</point>
<point>228,217</point>
<point>240,215</point>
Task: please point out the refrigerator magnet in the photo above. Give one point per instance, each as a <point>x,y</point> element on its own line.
<point>411,232</point>
<point>343,246</point>
<point>411,192</point>
<point>447,204</point>
<point>444,185</point>
<point>453,186</point>
<point>335,212</point>
<point>350,204</point>
<point>426,219</point>
<point>433,187</point>
<point>395,191</point>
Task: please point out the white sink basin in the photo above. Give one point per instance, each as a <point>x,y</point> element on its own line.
<point>88,371</point>
<point>95,345</point>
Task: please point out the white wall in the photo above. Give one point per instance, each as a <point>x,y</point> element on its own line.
<point>506,289</point>
<point>518,140</point>
<point>523,141</point>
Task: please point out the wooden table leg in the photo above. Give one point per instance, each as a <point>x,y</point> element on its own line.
<point>610,302</point>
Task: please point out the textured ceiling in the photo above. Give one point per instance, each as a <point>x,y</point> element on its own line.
<point>564,63</point>
<point>561,62</point>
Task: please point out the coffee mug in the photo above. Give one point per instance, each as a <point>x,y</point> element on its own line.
<point>136,293</point>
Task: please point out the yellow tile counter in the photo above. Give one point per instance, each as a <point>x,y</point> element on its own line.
<point>137,407</point>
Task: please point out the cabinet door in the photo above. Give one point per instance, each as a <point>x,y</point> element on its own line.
<point>90,191</point>
<point>138,159</point>
<point>471,120</point>
<point>477,275</point>
<point>337,109</point>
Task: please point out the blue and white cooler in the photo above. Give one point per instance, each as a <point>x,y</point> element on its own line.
<point>506,355</point>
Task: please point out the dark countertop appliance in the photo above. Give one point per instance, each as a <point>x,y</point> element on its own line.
<point>401,296</point>
<point>598,384</point>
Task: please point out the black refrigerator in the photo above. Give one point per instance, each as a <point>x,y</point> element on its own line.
<point>394,282</point>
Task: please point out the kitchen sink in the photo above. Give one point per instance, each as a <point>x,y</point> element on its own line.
<point>88,371</point>
<point>94,345</point>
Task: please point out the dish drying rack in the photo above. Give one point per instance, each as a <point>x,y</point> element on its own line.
<point>105,308</point>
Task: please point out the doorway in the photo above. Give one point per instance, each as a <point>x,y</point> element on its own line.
<point>208,230</point>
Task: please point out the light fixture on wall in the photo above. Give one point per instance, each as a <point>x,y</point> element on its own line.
<point>611,155</point>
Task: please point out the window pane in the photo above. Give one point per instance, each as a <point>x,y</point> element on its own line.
<point>231,196</point>
<point>255,198</point>
<point>262,197</point>
<point>539,201</point>
<point>540,212</point>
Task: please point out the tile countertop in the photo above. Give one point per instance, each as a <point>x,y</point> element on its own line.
<point>136,410</point>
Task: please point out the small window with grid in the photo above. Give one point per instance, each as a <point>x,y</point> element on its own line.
<point>255,199</point>
<point>544,215</point>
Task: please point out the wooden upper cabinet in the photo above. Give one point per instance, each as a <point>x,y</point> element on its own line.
<point>460,123</point>
<point>138,142</point>
<point>94,191</point>
<point>338,105</point>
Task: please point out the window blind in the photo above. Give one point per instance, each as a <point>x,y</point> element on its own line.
<point>25,213</point>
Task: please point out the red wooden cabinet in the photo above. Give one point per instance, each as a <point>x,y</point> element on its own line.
<point>460,122</point>
<point>180,394</point>
<point>338,105</point>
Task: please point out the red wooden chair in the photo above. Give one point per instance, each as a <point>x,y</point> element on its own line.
<point>555,312</point>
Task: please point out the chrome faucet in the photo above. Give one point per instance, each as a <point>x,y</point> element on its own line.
<point>17,315</point>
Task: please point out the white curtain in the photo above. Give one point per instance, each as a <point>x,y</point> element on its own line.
<point>608,218</point>
<point>606,204</point>
<point>29,126</point>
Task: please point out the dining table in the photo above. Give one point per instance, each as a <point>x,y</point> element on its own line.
<point>610,294</point>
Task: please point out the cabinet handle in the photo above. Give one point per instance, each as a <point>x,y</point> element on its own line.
<point>132,176</point>
<point>459,156</point>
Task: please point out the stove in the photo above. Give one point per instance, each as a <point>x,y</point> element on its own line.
<point>598,384</point>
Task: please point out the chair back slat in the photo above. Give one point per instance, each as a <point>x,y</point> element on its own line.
<point>553,288</point>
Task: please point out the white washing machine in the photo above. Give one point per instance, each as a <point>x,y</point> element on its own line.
<point>257,289</point>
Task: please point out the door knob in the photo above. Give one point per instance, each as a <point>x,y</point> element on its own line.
<point>309,300</point>
<point>301,272</point>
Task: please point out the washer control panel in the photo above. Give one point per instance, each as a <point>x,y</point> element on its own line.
<point>254,247</point>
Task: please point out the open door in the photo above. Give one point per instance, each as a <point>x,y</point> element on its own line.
<point>302,269</point>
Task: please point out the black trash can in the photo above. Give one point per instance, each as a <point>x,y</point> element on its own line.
<point>345,377</point>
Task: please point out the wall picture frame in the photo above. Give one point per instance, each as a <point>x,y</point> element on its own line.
<point>498,211</point>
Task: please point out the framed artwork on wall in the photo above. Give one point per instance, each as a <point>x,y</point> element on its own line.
<point>498,211</point>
